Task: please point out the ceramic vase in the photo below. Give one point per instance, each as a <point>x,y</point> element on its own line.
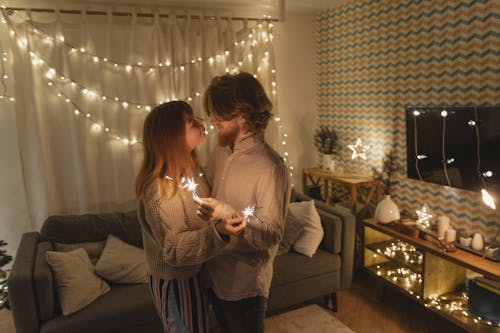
<point>327,163</point>
<point>387,211</point>
<point>477,242</point>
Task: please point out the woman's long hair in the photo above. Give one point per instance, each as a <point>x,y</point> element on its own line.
<point>166,152</point>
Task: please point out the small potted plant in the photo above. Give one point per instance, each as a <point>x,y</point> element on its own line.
<point>325,140</point>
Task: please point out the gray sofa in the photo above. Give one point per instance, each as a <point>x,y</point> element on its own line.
<point>124,309</point>
<point>129,308</point>
<point>298,278</point>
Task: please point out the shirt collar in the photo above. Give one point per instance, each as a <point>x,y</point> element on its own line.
<point>247,143</point>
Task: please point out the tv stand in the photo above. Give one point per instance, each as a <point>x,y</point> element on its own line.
<point>422,271</point>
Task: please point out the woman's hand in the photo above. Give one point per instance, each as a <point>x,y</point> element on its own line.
<point>211,209</point>
<point>231,226</point>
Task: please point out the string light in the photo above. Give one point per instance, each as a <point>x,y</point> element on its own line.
<point>148,67</point>
<point>486,196</point>
<point>4,95</point>
<point>261,33</point>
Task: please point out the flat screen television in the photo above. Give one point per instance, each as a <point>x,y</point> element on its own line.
<point>455,146</point>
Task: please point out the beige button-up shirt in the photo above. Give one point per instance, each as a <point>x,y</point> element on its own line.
<point>250,174</point>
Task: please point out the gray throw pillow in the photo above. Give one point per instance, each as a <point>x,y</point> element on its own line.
<point>121,262</point>
<point>293,229</point>
<point>93,249</point>
<point>76,283</point>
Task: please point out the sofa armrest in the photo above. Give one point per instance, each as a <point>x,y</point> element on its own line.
<point>20,283</point>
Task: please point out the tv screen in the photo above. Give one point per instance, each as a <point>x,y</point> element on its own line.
<point>454,146</point>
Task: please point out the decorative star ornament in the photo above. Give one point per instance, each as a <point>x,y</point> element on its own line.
<point>358,150</point>
<point>424,217</point>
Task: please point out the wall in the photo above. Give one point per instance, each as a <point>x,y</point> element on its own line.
<point>378,56</point>
<point>295,45</point>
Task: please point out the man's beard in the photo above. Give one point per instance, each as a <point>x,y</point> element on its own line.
<point>228,138</point>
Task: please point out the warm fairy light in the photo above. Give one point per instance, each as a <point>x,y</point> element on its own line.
<point>358,150</point>
<point>488,199</point>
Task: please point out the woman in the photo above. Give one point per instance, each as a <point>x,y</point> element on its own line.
<point>176,240</point>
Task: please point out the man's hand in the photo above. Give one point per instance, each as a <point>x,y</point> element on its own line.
<point>211,209</point>
<point>231,226</point>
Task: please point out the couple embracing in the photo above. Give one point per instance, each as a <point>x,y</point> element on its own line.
<point>200,249</point>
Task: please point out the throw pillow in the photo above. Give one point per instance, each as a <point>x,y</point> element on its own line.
<point>93,249</point>
<point>293,229</point>
<point>309,240</point>
<point>76,283</point>
<point>121,262</point>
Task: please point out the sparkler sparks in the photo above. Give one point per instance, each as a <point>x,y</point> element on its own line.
<point>190,185</point>
<point>250,212</point>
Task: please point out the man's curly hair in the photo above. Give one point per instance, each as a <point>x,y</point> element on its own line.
<point>229,95</point>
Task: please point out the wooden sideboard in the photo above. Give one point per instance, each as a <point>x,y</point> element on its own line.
<point>421,270</point>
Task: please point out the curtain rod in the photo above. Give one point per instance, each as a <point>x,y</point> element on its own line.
<point>10,10</point>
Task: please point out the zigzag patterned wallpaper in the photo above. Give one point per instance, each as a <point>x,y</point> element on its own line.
<point>376,57</point>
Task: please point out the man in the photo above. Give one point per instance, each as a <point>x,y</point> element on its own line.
<point>244,171</point>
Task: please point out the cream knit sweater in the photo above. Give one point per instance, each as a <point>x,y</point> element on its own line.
<point>176,241</point>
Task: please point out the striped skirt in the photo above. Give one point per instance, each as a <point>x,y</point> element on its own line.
<point>181,304</point>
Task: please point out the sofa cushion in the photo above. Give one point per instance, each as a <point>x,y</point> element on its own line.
<point>312,235</point>
<point>125,306</point>
<point>77,284</point>
<point>293,229</point>
<point>121,262</point>
<point>293,266</point>
<point>93,249</point>
<point>92,227</point>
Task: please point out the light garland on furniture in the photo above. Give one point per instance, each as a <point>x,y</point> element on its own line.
<point>458,304</point>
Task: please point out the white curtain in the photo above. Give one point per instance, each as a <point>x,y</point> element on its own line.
<point>84,84</point>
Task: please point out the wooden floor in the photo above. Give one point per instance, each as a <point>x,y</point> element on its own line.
<point>362,310</point>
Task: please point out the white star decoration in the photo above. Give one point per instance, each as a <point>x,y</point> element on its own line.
<point>424,217</point>
<point>358,150</point>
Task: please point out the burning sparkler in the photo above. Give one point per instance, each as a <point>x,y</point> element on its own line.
<point>190,185</point>
<point>250,212</point>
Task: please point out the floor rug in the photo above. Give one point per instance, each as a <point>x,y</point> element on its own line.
<point>311,318</point>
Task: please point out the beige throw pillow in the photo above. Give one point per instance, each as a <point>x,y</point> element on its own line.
<point>93,249</point>
<point>121,262</point>
<point>309,239</point>
<point>77,284</point>
<point>293,229</point>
